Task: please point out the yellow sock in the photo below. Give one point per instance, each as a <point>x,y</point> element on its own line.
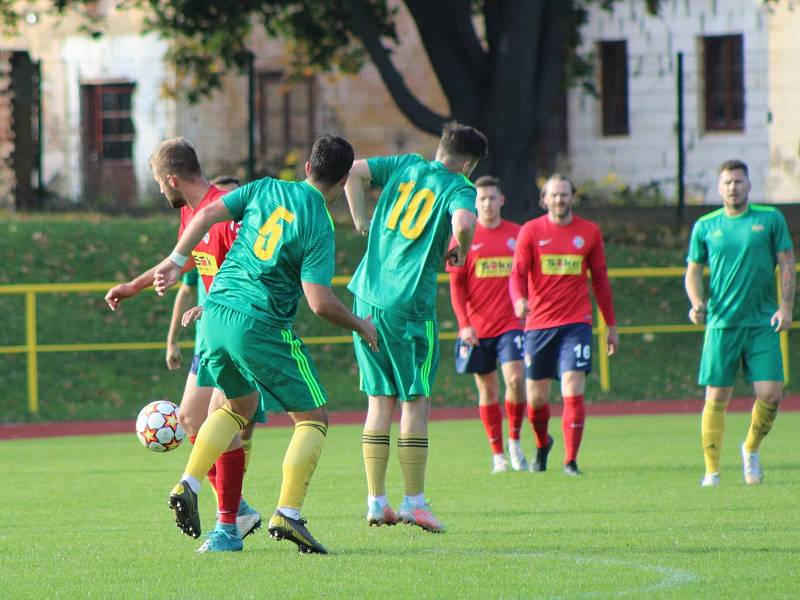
<point>412,450</point>
<point>247,446</point>
<point>763,417</point>
<point>300,462</point>
<point>212,440</point>
<point>375,446</point>
<point>712,429</point>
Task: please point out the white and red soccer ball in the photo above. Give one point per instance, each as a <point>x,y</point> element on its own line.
<point>157,426</point>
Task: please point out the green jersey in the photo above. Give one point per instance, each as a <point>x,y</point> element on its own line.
<point>410,233</point>
<point>286,238</point>
<point>741,255</point>
<point>192,279</point>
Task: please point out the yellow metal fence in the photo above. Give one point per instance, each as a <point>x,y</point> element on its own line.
<point>32,348</point>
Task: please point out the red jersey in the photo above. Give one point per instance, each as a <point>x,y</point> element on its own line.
<point>212,249</point>
<point>550,269</point>
<point>479,289</point>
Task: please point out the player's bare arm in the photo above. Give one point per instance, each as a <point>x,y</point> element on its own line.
<point>355,192</point>
<point>183,301</point>
<point>693,282</point>
<point>170,268</point>
<point>127,290</point>
<point>782,319</point>
<point>463,224</point>
<point>325,304</point>
<point>612,340</point>
<point>191,315</point>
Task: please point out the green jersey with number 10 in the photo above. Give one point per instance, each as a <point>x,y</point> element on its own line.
<point>410,233</point>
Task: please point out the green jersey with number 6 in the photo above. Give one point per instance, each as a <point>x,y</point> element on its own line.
<point>286,238</point>
<point>410,233</point>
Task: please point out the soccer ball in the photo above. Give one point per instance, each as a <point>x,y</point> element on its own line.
<point>157,426</point>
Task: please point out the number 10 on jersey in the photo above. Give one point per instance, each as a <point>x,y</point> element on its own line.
<point>415,213</point>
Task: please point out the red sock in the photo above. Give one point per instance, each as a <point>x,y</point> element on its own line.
<point>212,473</point>
<point>492,420</point>
<point>539,418</point>
<point>230,472</point>
<point>572,424</point>
<point>516,413</point>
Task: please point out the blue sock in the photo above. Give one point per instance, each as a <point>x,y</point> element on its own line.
<point>244,507</point>
<point>229,528</point>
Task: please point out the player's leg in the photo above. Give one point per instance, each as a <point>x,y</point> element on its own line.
<point>763,365</point>
<point>376,376</point>
<point>412,450</point>
<point>510,353</point>
<point>573,418</point>
<point>194,410</point>
<point>295,387</point>
<point>541,367</point>
<point>722,353</point>
<point>375,448</point>
<point>248,519</point>
<point>214,437</point>
<point>575,361</point>
<point>492,417</point>
<point>299,464</point>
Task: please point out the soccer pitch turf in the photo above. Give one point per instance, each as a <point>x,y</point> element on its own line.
<point>87,517</point>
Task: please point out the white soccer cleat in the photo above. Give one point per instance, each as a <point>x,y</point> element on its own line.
<point>710,480</point>
<point>499,464</point>
<point>751,465</point>
<point>518,460</point>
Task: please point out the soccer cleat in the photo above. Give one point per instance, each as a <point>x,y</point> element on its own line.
<point>183,502</point>
<point>518,461</point>
<point>539,464</point>
<point>499,464</point>
<point>571,468</point>
<point>381,516</point>
<point>247,521</point>
<point>751,465</point>
<point>282,527</point>
<point>220,541</point>
<point>420,516</point>
<point>710,480</point>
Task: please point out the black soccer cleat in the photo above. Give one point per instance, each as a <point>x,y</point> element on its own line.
<point>539,464</point>
<point>183,502</point>
<point>282,527</point>
<point>571,468</point>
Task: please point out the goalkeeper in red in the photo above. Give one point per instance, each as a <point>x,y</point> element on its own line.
<point>549,286</point>
<point>422,204</point>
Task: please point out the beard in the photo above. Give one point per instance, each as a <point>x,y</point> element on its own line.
<point>175,198</point>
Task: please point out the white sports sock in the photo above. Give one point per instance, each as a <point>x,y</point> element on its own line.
<point>292,513</point>
<point>381,500</point>
<point>416,500</point>
<point>193,482</point>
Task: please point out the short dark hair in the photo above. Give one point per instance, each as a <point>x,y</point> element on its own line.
<point>331,158</point>
<point>176,156</point>
<point>225,180</point>
<point>463,142</point>
<point>488,181</point>
<point>734,165</point>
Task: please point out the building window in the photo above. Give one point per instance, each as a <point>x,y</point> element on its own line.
<point>724,82</point>
<point>109,122</point>
<point>286,116</point>
<point>614,87</point>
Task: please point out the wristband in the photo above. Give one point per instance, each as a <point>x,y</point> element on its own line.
<point>178,258</point>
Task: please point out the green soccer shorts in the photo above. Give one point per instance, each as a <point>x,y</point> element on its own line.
<point>240,354</point>
<point>407,358</point>
<point>757,349</point>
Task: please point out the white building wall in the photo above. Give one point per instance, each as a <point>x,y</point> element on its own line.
<point>648,153</point>
<point>129,58</point>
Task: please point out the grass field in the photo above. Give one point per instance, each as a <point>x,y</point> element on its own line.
<point>87,518</point>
